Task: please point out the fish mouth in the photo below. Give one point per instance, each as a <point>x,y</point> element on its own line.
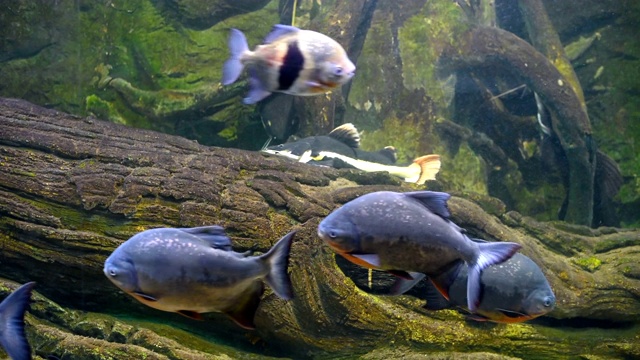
<point>332,244</point>
<point>337,248</point>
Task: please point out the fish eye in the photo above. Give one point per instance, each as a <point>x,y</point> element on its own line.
<point>333,234</point>
<point>338,71</point>
<point>112,272</point>
<point>548,302</point>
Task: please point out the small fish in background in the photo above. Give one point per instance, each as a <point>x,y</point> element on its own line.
<point>405,233</point>
<point>341,149</point>
<point>513,291</point>
<point>291,60</point>
<point>12,336</point>
<point>193,271</point>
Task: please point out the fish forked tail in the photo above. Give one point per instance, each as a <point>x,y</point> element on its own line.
<point>12,309</point>
<point>277,260</point>
<point>232,68</point>
<point>429,167</point>
<point>490,253</point>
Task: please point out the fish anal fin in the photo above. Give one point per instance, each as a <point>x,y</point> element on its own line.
<point>245,311</point>
<point>435,299</point>
<point>190,314</point>
<point>257,91</point>
<point>401,285</point>
<point>401,274</point>
<point>443,281</point>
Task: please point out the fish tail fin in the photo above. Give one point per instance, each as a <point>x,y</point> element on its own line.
<point>12,337</point>
<point>489,253</point>
<point>232,68</point>
<point>429,167</point>
<point>277,260</point>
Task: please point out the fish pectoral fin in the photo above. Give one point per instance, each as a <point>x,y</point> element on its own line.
<point>401,274</point>
<point>145,296</point>
<point>511,313</point>
<point>372,260</point>
<point>190,314</point>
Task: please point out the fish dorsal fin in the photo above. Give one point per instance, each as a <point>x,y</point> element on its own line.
<point>244,311</point>
<point>347,134</point>
<point>390,152</point>
<point>433,200</point>
<point>279,30</point>
<point>214,235</point>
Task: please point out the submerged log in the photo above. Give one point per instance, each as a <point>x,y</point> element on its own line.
<point>499,49</point>
<point>72,189</point>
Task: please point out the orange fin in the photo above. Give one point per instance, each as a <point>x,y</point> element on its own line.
<point>370,261</point>
<point>429,167</point>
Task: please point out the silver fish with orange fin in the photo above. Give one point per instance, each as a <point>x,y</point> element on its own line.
<point>409,232</point>
<point>291,60</point>
<point>512,292</point>
<point>193,271</point>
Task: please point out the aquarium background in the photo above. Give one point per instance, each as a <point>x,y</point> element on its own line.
<point>422,85</point>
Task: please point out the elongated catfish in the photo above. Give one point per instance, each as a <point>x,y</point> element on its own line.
<point>409,232</point>
<point>193,271</point>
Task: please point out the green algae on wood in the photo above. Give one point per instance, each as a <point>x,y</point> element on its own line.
<point>590,264</point>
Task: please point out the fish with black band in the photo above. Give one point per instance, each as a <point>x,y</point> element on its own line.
<point>193,271</point>
<point>341,149</point>
<point>291,60</point>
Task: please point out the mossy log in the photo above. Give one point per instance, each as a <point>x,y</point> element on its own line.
<point>72,189</point>
<point>493,47</point>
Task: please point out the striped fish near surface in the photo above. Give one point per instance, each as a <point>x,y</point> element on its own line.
<point>291,60</point>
